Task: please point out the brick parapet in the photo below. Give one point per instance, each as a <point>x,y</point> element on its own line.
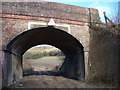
<point>50,9</point>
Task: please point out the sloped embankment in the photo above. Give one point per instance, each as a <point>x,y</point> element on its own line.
<point>104,58</point>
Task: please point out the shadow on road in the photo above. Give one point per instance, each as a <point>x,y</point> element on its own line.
<point>49,73</point>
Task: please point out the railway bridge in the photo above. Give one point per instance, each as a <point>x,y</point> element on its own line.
<point>26,24</point>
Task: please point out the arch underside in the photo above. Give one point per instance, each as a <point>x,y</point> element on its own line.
<point>73,65</point>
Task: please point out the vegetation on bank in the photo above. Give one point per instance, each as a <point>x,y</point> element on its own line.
<point>115,28</point>
<point>39,52</point>
<point>104,47</point>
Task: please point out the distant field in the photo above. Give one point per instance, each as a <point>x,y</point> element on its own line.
<point>45,63</point>
<point>38,52</point>
<point>42,58</point>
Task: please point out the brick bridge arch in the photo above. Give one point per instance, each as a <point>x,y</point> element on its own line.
<point>19,18</point>
<point>73,66</point>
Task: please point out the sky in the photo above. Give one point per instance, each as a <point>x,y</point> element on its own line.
<point>108,6</point>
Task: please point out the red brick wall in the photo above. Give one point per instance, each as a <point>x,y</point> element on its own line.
<point>50,9</point>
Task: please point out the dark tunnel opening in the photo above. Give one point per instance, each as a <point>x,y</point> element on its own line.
<point>73,66</point>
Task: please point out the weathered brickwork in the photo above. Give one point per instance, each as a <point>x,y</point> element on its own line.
<point>1,52</point>
<point>54,10</point>
<point>16,16</point>
<point>17,26</point>
<point>104,58</point>
<point>46,19</point>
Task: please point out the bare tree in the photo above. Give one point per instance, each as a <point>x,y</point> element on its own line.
<point>115,18</point>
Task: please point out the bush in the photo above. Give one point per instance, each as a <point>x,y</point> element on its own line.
<point>36,55</point>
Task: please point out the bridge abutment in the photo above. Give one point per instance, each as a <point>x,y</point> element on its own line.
<point>1,56</point>
<point>74,68</point>
<point>12,68</point>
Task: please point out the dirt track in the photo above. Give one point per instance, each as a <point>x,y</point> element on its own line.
<point>50,82</point>
<point>45,81</point>
<point>54,82</point>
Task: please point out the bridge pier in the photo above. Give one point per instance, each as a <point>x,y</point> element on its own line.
<point>1,56</point>
<point>86,58</point>
<point>73,66</point>
<point>12,67</point>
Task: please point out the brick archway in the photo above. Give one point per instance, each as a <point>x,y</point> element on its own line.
<point>73,66</point>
